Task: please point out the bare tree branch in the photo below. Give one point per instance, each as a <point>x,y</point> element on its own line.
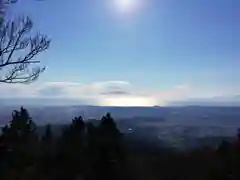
<point>18,51</point>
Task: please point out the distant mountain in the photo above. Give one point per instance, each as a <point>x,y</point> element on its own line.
<point>215,101</point>
<point>62,114</point>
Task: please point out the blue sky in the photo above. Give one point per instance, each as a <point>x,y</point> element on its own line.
<point>155,48</point>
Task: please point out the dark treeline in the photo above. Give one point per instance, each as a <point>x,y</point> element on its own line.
<point>85,151</point>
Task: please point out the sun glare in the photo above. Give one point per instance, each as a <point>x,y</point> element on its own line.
<point>126,6</point>
<point>127,101</point>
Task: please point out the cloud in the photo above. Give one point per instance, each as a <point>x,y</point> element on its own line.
<point>62,84</point>
<point>78,90</point>
<point>16,90</point>
<point>116,92</point>
<point>182,87</point>
<point>116,89</point>
<point>113,93</point>
<point>51,91</point>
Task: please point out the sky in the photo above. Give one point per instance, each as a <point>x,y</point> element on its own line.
<point>134,52</point>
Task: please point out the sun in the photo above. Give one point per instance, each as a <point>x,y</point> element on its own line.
<point>126,5</point>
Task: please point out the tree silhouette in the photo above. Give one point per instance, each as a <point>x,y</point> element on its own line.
<point>20,130</point>
<point>4,5</point>
<point>71,150</point>
<point>48,136</point>
<point>20,142</point>
<point>13,1</point>
<point>17,52</point>
<point>95,152</point>
<point>48,144</point>
<point>108,155</point>
<point>48,147</point>
<point>238,134</point>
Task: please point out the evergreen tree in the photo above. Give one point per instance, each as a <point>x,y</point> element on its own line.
<point>71,152</point>
<point>20,142</point>
<point>20,132</point>
<point>92,145</point>
<point>48,136</point>
<point>47,160</point>
<point>108,160</point>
